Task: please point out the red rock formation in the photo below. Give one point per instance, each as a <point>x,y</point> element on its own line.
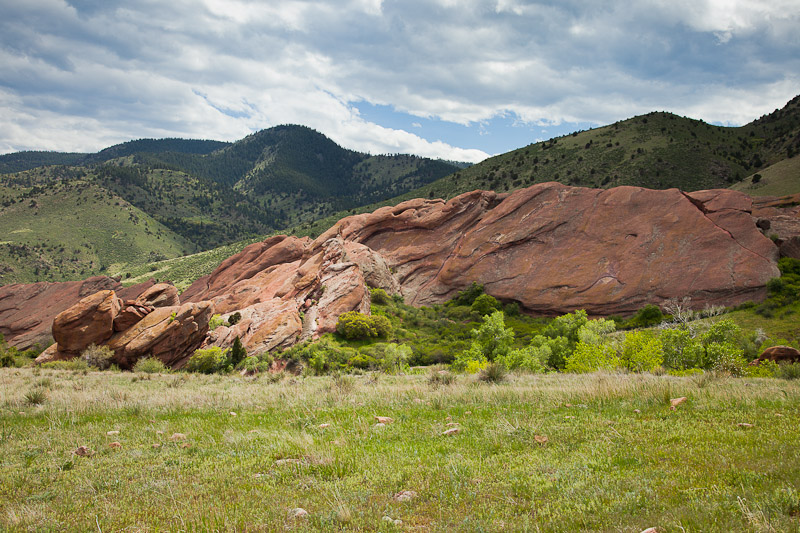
<point>550,247</point>
<point>90,321</point>
<point>779,354</point>
<point>555,248</point>
<point>27,310</point>
<point>170,334</point>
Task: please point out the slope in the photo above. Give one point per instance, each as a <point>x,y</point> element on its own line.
<point>72,229</point>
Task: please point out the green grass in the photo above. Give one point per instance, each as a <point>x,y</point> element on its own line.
<point>780,179</point>
<point>74,229</point>
<point>604,467</point>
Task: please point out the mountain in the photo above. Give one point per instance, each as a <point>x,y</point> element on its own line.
<point>194,195</point>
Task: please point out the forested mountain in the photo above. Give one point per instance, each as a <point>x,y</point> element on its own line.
<point>201,194</point>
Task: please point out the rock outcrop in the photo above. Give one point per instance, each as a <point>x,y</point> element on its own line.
<point>555,248</point>
<point>550,247</point>
<point>27,310</point>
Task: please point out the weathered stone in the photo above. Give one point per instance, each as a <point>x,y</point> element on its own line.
<point>27,310</point>
<point>262,327</point>
<point>779,354</point>
<point>159,295</point>
<point>90,321</point>
<point>170,334</point>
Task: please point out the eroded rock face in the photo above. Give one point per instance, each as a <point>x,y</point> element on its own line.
<point>90,321</point>
<point>170,334</point>
<point>27,310</point>
<point>555,248</point>
<point>550,247</point>
<point>262,327</point>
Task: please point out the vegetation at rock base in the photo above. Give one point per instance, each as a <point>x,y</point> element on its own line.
<point>548,452</point>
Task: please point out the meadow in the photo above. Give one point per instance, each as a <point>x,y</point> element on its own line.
<point>535,452</point>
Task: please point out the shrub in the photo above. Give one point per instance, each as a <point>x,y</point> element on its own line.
<point>355,325</point>
<point>511,309</point>
<point>8,360</point>
<point>150,365</point>
<point>468,295</point>
<point>237,353</point>
<point>216,321</point>
<point>642,352</point>
<point>441,377</point>
<point>725,357</point>
<point>649,315</point>
<point>234,318</point>
<point>492,373</point>
<point>788,371</point>
<point>681,350</point>
<point>379,297</point>
<point>721,332</point>
<point>208,361</point>
<point>97,356</point>
<point>764,369</point>
<point>591,357</point>
<point>72,364</point>
<point>532,358</point>
<point>485,304</point>
<point>395,359</point>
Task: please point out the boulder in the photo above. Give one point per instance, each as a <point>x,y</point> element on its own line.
<point>779,354</point>
<point>159,295</point>
<point>90,321</point>
<point>130,314</point>
<point>170,334</point>
<point>27,310</point>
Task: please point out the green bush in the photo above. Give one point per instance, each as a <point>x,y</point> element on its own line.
<point>642,352</point>
<point>237,353</point>
<point>97,356</point>
<point>647,316</point>
<point>379,297</point>
<point>209,361</point>
<point>355,325</point>
<point>72,364</point>
<point>725,357</point>
<point>216,321</point>
<point>150,365</point>
<point>591,357</point>
<point>234,318</point>
<point>485,304</point>
<point>788,371</point>
<point>468,295</point>
<point>7,360</point>
<point>681,350</point>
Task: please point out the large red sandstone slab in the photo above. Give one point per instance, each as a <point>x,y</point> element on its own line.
<point>27,310</point>
<point>555,248</point>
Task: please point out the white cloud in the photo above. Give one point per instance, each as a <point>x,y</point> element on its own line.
<point>80,76</point>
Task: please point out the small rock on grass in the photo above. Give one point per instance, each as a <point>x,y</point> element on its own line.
<point>115,445</point>
<point>675,402</point>
<point>177,437</point>
<point>396,522</point>
<point>298,513</point>
<point>384,420</point>
<point>232,413</point>
<point>541,439</point>
<point>744,425</point>
<point>405,496</point>
<point>83,451</point>
<point>452,431</point>
<point>323,426</point>
<point>650,530</point>
<point>109,433</point>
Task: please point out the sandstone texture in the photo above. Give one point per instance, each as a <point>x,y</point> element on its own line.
<point>555,248</point>
<point>27,310</point>
<point>551,248</point>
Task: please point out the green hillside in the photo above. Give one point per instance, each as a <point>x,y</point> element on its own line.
<point>780,179</point>
<point>72,229</point>
<point>203,194</point>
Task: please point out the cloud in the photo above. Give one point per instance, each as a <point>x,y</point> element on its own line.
<point>81,75</point>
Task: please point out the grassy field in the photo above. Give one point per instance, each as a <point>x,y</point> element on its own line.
<point>556,452</point>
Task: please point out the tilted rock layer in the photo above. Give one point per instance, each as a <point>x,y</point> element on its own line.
<point>551,248</point>
<point>555,248</point>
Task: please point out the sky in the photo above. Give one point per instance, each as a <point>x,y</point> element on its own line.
<point>452,79</point>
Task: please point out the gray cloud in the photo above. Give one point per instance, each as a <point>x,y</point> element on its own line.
<point>80,75</point>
